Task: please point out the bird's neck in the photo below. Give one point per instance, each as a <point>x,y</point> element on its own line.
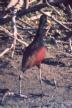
<point>40,34</point>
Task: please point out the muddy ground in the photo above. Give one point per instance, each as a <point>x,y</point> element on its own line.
<point>56,70</point>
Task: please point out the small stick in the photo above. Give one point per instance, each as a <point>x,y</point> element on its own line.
<point>11,35</point>
<point>15,31</point>
<point>6,51</point>
<point>53,8</point>
<point>55,20</point>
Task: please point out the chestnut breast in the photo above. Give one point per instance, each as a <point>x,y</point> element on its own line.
<point>39,55</point>
<point>35,58</point>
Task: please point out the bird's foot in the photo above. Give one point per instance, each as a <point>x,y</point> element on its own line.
<point>8,93</point>
<point>23,96</point>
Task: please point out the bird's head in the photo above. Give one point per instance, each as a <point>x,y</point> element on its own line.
<point>42,29</point>
<point>43,21</point>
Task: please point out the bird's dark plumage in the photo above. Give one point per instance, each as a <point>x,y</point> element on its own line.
<point>35,52</point>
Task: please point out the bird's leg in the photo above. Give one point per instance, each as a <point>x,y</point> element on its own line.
<point>20,78</point>
<point>40,78</point>
<point>40,75</point>
<point>20,85</point>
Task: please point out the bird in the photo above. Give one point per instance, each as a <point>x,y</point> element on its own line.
<point>35,52</point>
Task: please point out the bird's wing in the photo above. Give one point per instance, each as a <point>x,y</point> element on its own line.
<point>28,57</point>
<point>33,58</point>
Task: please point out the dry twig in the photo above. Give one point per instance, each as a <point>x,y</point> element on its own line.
<point>15,30</point>
<point>55,20</point>
<point>53,8</point>
<point>11,35</point>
